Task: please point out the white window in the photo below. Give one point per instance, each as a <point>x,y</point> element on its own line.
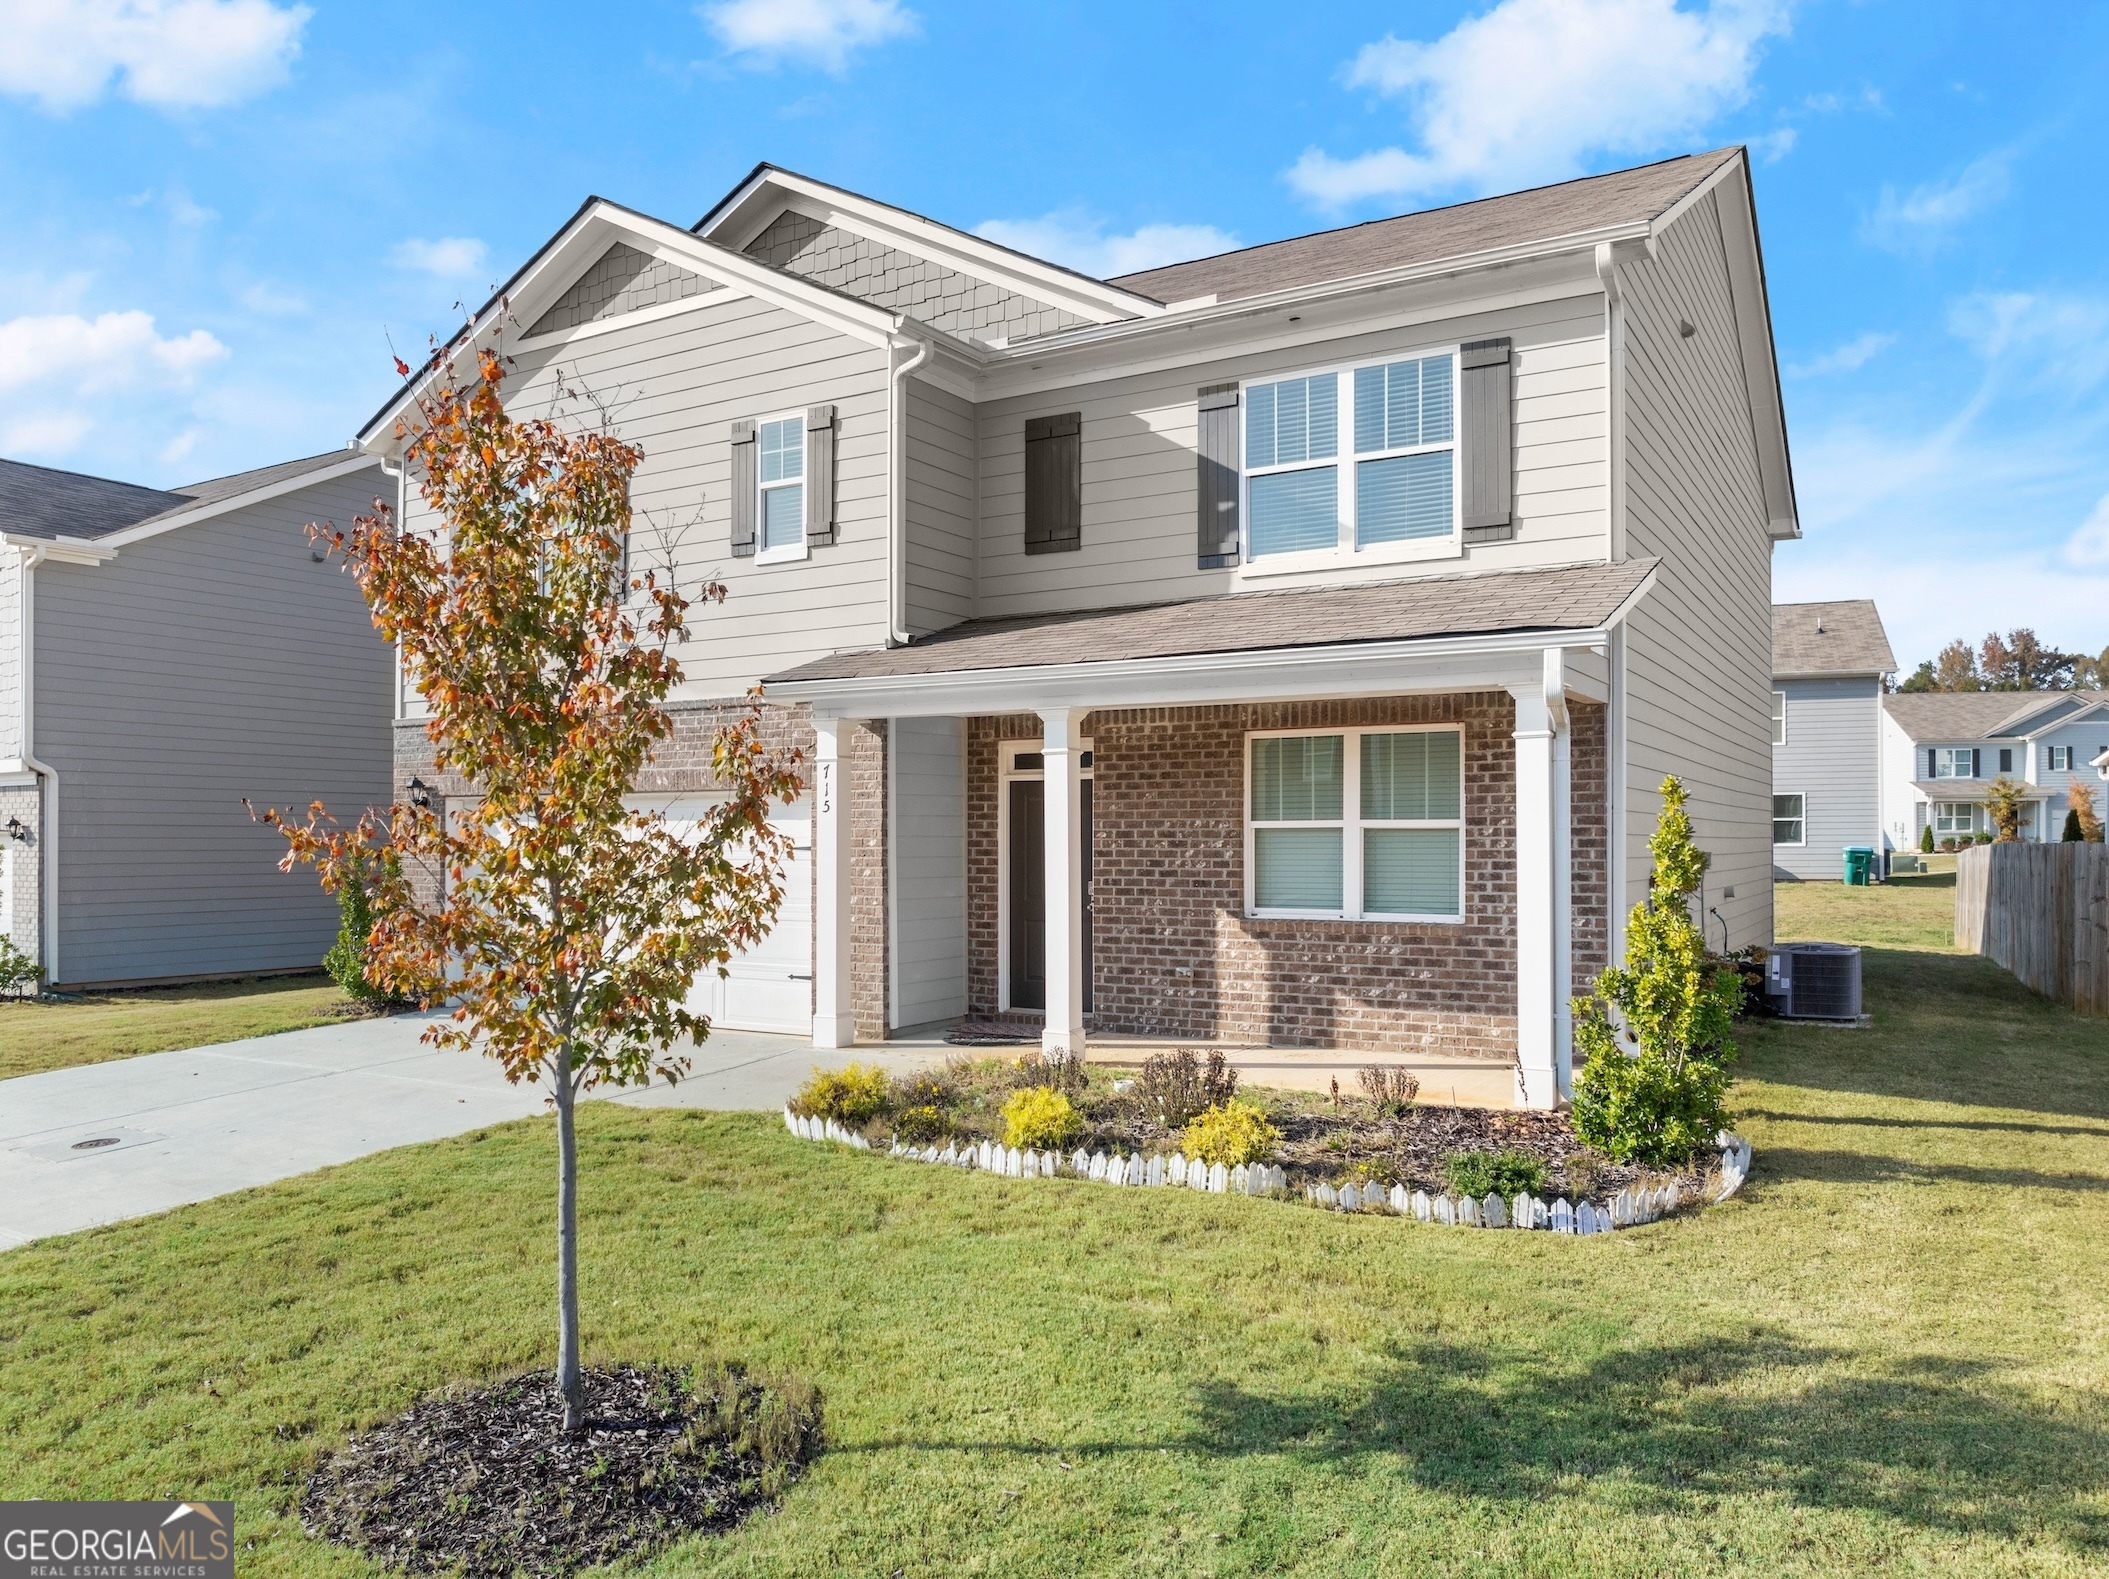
<point>780,516</point>
<point>1787,821</point>
<point>1955,762</point>
<point>1954,818</point>
<point>1360,824</point>
<point>2060,758</point>
<point>1397,421</point>
<point>1779,721</point>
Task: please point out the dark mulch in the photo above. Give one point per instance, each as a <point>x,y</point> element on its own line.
<point>991,1034</point>
<point>485,1481</point>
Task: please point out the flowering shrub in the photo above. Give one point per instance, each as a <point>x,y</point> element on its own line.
<point>1231,1133</point>
<point>853,1095</point>
<point>923,1126</point>
<point>1037,1117</point>
<point>1503,1173</point>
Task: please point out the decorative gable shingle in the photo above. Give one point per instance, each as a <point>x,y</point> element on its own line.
<point>621,281</point>
<point>887,277</point>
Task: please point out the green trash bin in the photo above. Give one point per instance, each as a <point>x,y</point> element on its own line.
<point>1859,865</point>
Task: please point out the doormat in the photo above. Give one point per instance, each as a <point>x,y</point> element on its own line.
<point>988,1033</point>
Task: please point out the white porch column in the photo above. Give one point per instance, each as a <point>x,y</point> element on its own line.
<point>1541,1051</point>
<point>833,1023</point>
<point>1063,841</point>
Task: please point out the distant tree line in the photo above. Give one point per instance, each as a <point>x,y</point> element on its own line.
<point>2016,661</point>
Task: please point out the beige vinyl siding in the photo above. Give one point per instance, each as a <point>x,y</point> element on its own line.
<point>201,666</point>
<point>940,569</point>
<point>1139,437</point>
<point>1698,648</point>
<point>1832,759</point>
<point>673,386</point>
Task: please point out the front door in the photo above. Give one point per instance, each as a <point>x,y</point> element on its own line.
<point>1027,856</point>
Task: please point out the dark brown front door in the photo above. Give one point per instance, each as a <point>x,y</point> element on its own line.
<point>1028,918</point>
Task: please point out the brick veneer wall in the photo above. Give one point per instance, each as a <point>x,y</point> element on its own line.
<point>1175,954</point>
<point>682,764</point>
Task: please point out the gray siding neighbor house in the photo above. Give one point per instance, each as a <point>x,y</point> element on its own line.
<point>1829,662</point>
<point>1943,750</point>
<point>1281,651</point>
<point>165,654</point>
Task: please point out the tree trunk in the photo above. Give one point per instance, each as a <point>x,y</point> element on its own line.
<point>569,1384</point>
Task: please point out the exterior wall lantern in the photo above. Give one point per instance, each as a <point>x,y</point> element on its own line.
<point>420,795</point>
<point>18,830</point>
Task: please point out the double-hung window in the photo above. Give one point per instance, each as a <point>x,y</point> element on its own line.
<point>1361,824</point>
<point>1393,424</point>
<point>1955,762</point>
<point>1954,818</point>
<point>2060,758</point>
<point>1787,820</point>
<point>781,516</point>
<point>1779,721</point>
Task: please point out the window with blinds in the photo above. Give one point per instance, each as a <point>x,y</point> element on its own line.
<point>1360,824</point>
<point>782,480</point>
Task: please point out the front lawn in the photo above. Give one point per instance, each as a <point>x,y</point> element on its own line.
<point>59,1032</point>
<point>1886,1355</point>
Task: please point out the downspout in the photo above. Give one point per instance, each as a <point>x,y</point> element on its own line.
<point>897,493</point>
<point>48,829</point>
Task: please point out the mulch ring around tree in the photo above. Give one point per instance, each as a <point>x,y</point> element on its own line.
<point>484,1480</point>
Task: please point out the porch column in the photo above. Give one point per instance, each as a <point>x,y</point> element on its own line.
<point>1063,839</point>
<point>1540,915</point>
<point>834,1025</point>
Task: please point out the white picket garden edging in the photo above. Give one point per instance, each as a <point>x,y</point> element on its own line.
<point>1628,1209</point>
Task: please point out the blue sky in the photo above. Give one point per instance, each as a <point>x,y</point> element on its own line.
<point>220,214</point>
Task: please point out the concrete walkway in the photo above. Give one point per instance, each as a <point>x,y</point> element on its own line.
<point>177,1127</point>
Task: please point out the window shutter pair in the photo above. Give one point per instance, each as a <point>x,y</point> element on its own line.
<point>1054,483</point>
<point>1487,440</point>
<point>1218,458</point>
<point>819,481</point>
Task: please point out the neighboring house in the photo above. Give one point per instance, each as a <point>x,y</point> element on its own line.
<point>1284,648</point>
<point>1941,751</point>
<point>164,655</point>
<point>1829,661</point>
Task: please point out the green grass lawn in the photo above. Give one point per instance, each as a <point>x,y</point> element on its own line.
<point>1888,1354</point>
<point>57,1033</point>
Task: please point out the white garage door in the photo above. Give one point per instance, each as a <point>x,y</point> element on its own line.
<point>770,987</point>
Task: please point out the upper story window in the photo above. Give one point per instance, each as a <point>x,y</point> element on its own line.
<point>1955,762</point>
<point>1779,718</point>
<point>1394,424</point>
<point>1363,824</point>
<point>781,517</point>
<point>2060,758</point>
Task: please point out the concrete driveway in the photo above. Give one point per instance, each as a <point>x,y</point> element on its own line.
<point>98,1144</point>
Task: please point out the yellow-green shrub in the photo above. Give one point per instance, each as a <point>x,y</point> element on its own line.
<point>1233,1133</point>
<point>853,1095</point>
<point>1037,1117</point>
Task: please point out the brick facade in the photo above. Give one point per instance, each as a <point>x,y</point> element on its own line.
<point>1174,952</point>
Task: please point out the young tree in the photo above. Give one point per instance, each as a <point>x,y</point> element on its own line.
<point>1956,668</point>
<point>2080,809</point>
<point>1926,839</point>
<point>1655,1032</point>
<point>2006,802</point>
<point>2074,833</point>
<point>568,929</point>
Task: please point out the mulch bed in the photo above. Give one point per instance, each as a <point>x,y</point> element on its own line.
<point>485,1481</point>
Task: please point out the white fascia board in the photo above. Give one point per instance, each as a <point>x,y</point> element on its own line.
<point>354,460</point>
<point>1240,330</point>
<point>754,210</point>
<point>1396,668</point>
<point>1760,358</point>
<point>64,550</point>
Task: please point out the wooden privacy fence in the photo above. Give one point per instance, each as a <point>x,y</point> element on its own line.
<point>2042,911</point>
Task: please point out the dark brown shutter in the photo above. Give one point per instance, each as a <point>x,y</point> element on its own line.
<point>1054,483</point>
<point>820,476</point>
<point>1218,454</point>
<point>1487,441</point>
<point>743,486</point>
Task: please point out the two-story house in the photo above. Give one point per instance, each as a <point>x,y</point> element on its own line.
<point>1279,649</point>
<point>1941,751</point>
<point>1829,663</point>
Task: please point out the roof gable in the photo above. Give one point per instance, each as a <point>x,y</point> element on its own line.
<point>1982,715</point>
<point>623,280</point>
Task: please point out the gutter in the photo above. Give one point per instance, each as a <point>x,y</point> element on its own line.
<point>897,492</point>
<point>48,824</point>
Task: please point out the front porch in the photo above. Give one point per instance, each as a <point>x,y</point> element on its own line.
<point>1313,857</point>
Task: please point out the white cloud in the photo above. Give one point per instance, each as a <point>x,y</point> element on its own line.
<point>1855,354</point>
<point>450,257</point>
<point>2089,545</point>
<point>2063,337</point>
<point>1528,91</point>
<point>44,435</point>
<point>179,447</point>
<point>273,301</point>
<point>114,351</point>
<point>172,54</point>
<point>1774,146</point>
<point>1079,241</point>
<point>822,33</point>
<point>1925,215</point>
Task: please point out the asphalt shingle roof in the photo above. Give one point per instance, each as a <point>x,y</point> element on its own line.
<point>1541,214</point>
<point>1579,597</point>
<point>1968,715</point>
<point>38,501</point>
<point>1830,638</point>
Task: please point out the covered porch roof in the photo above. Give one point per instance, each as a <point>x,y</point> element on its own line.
<point>1395,636</point>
